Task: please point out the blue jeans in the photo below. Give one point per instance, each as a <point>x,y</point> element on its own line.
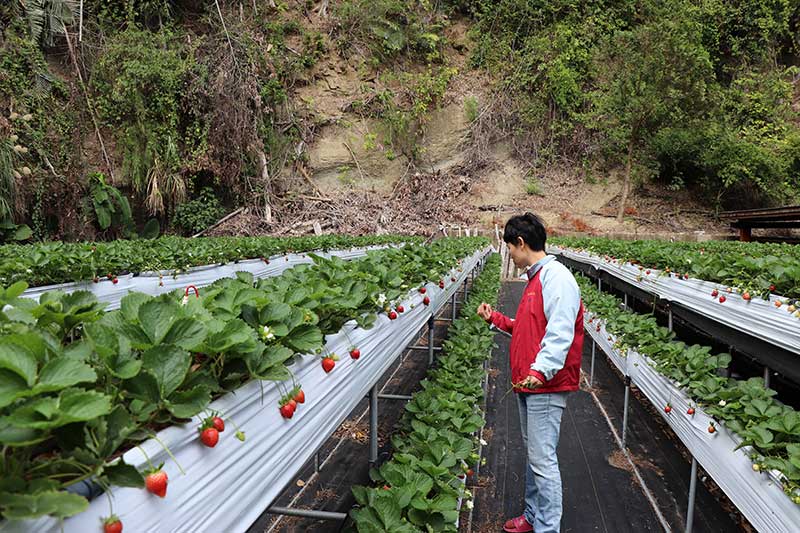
<point>540,418</point>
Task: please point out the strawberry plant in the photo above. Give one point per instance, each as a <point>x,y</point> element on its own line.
<point>419,488</point>
<point>746,407</point>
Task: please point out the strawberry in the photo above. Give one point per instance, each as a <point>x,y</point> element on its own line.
<point>115,281</point>
<point>401,309</point>
<point>686,276</point>
<point>292,403</point>
<point>327,364</point>
<point>392,315</point>
<point>453,278</point>
<point>426,301</point>
<point>112,524</point>
<point>746,296</point>
<point>470,472</point>
<point>423,290</point>
<point>96,279</point>
<point>219,424</point>
<point>110,275</point>
<point>286,411</point>
<point>160,283</point>
<point>668,409</point>
<point>690,411</point>
<point>355,353</point>
<point>300,397</point>
<point>647,272</point>
<point>722,299</point>
<point>772,288</point>
<point>209,437</point>
<point>778,303</point>
<point>441,284</point>
<point>156,482</point>
<point>714,293</point>
<point>598,327</point>
<point>711,428</point>
<point>386,487</point>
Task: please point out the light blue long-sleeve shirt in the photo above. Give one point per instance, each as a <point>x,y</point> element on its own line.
<point>562,299</point>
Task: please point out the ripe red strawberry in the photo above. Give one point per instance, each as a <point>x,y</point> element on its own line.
<point>441,284</point>
<point>401,309</point>
<point>686,276</point>
<point>470,472</point>
<point>711,428</point>
<point>355,353</point>
<point>300,397</point>
<point>209,437</point>
<point>668,409</point>
<point>286,411</point>
<point>453,278</point>
<point>690,411</point>
<point>110,275</point>
<point>219,424</point>
<point>392,315</point>
<point>714,293</point>
<point>156,482</point>
<point>292,403</point>
<point>160,283</point>
<point>647,272</point>
<point>327,364</point>
<point>722,299</point>
<point>746,296</point>
<point>598,327</point>
<point>112,524</point>
<point>423,290</point>
<point>772,288</point>
<point>386,487</point>
<point>426,301</point>
<point>96,279</point>
<point>115,281</point>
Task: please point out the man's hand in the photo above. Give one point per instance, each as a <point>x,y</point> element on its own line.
<point>485,311</point>
<point>530,383</point>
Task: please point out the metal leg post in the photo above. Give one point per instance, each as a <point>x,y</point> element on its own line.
<point>692,492</point>
<point>373,425</point>
<point>625,408</point>
<point>591,368</point>
<point>430,340</point>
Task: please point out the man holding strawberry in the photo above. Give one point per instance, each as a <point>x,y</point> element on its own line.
<point>546,349</point>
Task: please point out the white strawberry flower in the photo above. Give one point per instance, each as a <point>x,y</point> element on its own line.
<point>267,333</point>
<point>722,403</point>
<point>484,443</point>
<point>470,505</point>
<point>381,299</point>
<point>185,300</point>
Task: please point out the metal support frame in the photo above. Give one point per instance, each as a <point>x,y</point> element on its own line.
<point>625,408</point>
<point>766,377</point>
<point>430,340</point>
<point>591,368</point>
<point>423,347</point>
<point>453,307</point>
<point>692,493</point>
<point>373,425</point>
<point>625,301</point>
<point>394,397</point>
<point>308,513</point>
<point>669,319</point>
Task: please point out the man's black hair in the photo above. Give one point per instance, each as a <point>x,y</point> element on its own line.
<point>529,227</point>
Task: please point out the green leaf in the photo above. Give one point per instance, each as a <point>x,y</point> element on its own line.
<point>304,339</point>
<point>19,360</point>
<point>78,405</point>
<point>275,312</point>
<point>144,386</point>
<point>186,404</point>
<point>62,372</point>
<point>130,304</point>
<point>26,506</point>
<point>187,333</point>
<point>169,365</point>
<point>12,386</point>
<point>156,318</point>
<point>124,475</point>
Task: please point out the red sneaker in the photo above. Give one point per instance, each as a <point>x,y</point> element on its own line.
<point>518,525</point>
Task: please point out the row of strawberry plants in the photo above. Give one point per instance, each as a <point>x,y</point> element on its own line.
<point>60,262</point>
<point>420,487</point>
<point>79,385</point>
<point>756,268</point>
<point>747,408</point>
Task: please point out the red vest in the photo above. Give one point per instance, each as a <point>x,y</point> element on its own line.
<point>527,333</point>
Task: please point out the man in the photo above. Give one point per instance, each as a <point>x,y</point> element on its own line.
<point>546,349</point>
